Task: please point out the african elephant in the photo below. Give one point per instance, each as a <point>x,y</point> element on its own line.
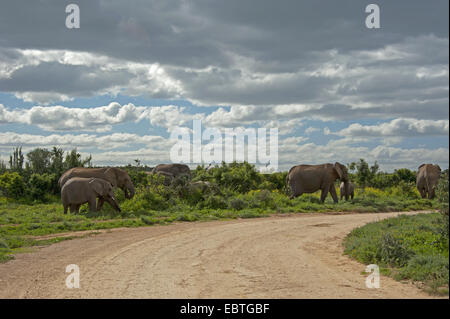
<point>205,187</point>
<point>177,170</point>
<point>351,190</point>
<point>167,178</point>
<point>79,190</point>
<point>427,178</point>
<point>116,176</point>
<point>310,178</point>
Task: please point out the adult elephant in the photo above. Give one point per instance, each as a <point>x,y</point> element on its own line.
<point>310,178</point>
<point>175,170</point>
<point>116,176</point>
<point>166,178</point>
<point>351,190</point>
<point>427,178</point>
<point>80,190</point>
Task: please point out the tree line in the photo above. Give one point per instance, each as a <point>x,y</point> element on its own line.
<point>37,177</point>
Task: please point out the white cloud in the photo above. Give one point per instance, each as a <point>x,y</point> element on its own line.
<point>99,119</point>
<point>398,128</point>
<point>311,130</point>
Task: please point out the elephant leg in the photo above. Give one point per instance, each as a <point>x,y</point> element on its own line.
<point>77,209</point>
<point>431,194</point>
<point>422,192</point>
<point>324,194</point>
<point>333,193</point>
<point>65,208</point>
<point>101,200</point>
<point>294,195</point>
<point>73,208</point>
<point>92,205</point>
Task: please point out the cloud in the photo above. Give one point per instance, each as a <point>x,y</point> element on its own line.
<point>398,128</point>
<point>311,130</point>
<point>47,76</point>
<point>100,119</point>
<point>60,118</point>
<point>388,157</point>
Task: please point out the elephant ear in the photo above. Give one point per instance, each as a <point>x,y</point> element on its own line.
<point>438,167</point>
<point>97,186</point>
<point>112,177</point>
<point>337,168</point>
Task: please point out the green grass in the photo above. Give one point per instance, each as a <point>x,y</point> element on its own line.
<point>406,248</point>
<point>19,222</point>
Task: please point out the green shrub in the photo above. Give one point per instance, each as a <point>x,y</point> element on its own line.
<point>237,204</point>
<point>406,247</point>
<point>40,185</point>
<point>12,185</point>
<point>427,268</point>
<point>405,189</point>
<point>214,202</point>
<point>148,220</point>
<point>393,252</point>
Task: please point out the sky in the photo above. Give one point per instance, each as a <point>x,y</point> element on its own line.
<point>336,90</point>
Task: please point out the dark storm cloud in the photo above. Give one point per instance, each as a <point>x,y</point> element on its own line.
<point>235,52</point>
<point>196,33</point>
<point>61,78</point>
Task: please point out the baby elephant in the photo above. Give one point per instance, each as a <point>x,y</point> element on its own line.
<point>351,190</point>
<point>79,190</point>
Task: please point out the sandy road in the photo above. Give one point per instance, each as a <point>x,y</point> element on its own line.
<point>297,256</point>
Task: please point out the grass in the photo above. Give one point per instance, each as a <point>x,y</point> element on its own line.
<point>409,248</point>
<point>20,222</point>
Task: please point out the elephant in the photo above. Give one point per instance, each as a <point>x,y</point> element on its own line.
<point>116,176</point>
<point>351,190</point>
<point>427,178</point>
<point>176,170</point>
<point>310,178</point>
<point>80,190</point>
<point>168,178</point>
<point>205,187</point>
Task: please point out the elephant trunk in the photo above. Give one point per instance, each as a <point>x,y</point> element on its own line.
<point>113,202</point>
<point>129,190</point>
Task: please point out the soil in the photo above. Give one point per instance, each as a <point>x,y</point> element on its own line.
<point>294,256</point>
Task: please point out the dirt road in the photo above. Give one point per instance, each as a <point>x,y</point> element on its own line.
<point>297,256</point>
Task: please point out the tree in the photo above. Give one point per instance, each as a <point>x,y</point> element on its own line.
<point>404,174</point>
<point>362,172</point>
<point>73,159</point>
<point>39,160</point>
<point>2,167</point>
<point>16,160</point>
<point>57,161</point>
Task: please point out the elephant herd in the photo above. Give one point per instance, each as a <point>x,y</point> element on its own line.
<point>85,185</point>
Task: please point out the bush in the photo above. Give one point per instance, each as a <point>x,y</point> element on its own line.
<point>40,185</point>
<point>12,185</point>
<point>405,189</point>
<point>393,252</point>
<point>214,202</point>
<point>427,268</point>
<point>237,204</point>
<point>406,247</point>
<point>442,194</point>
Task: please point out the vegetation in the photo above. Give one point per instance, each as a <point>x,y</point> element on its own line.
<point>412,248</point>
<point>30,205</point>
